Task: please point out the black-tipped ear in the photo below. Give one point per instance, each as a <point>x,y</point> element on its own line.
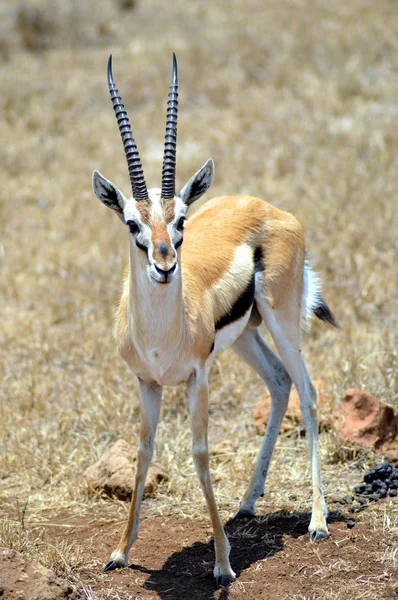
<point>108,194</point>
<point>198,184</point>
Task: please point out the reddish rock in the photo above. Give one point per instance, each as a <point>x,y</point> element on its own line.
<point>362,418</point>
<point>114,473</point>
<point>293,416</point>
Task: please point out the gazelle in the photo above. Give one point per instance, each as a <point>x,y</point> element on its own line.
<point>196,287</point>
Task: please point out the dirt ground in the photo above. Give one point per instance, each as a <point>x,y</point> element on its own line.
<point>271,554</point>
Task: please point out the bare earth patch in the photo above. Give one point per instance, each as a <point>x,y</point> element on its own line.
<point>24,579</point>
<point>173,558</point>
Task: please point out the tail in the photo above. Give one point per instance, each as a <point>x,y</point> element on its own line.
<point>313,302</point>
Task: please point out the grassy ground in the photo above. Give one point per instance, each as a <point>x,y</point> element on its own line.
<point>296,101</point>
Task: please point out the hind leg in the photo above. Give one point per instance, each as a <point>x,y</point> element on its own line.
<point>283,324</point>
<point>253,349</point>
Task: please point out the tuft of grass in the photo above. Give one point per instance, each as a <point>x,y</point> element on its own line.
<point>68,561</point>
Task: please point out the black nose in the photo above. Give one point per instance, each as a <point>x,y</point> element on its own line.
<point>165,274</point>
<point>163,249</point>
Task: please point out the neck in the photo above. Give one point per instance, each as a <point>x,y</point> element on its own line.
<point>157,309</point>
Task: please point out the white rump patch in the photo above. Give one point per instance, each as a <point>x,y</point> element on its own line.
<point>312,295</point>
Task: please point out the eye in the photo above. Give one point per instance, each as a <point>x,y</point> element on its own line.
<point>133,227</point>
<point>180,224</point>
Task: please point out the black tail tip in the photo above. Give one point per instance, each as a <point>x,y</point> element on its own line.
<point>323,312</point>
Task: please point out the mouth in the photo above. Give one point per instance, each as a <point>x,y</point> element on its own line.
<point>161,282</point>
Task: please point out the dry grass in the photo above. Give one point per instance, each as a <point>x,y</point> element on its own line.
<point>296,102</point>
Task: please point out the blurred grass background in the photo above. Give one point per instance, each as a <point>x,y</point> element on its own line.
<point>296,101</point>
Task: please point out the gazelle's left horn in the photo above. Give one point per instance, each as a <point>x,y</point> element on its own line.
<point>170,144</point>
<point>136,172</point>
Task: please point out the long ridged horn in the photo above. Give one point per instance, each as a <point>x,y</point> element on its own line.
<point>170,144</point>
<point>136,172</point>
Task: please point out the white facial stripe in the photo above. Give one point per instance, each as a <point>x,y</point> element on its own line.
<point>131,212</point>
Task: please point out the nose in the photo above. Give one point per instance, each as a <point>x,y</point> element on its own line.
<point>164,273</point>
<point>164,249</point>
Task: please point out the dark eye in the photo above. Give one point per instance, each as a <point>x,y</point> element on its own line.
<point>180,224</point>
<point>133,227</point>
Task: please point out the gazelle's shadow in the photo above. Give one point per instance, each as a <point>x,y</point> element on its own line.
<point>189,572</point>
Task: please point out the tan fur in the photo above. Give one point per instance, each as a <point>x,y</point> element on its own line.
<point>161,235</point>
<point>213,234</point>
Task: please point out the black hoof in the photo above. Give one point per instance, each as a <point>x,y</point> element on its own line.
<point>111,566</point>
<point>243,514</point>
<point>223,581</point>
<point>317,536</point>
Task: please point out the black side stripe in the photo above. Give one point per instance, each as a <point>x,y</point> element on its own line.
<point>239,308</point>
<point>259,260</point>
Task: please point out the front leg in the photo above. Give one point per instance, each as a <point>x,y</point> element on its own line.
<point>198,404</point>
<point>150,397</point>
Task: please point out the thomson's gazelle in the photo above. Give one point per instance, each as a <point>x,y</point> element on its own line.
<point>193,289</point>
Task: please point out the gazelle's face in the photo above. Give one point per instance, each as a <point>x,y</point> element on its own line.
<point>156,225</point>
<point>156,229</point>
<point>155,218</point>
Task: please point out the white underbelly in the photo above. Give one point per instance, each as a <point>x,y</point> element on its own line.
<point>226,336</point>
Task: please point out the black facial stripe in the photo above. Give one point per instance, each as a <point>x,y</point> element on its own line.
<point>259,260</point>
<point>141,246</point>
<point>240,307</point>
<point>178,244</point>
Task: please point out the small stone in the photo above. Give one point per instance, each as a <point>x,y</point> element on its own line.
<point>362,500</point>
<point>348,498</point>
<point>114,473</point>
<point>393,493</point>
<point>350,523</point>
<point>292,497</point>
<point>351,508</point>
<point>374,497</point>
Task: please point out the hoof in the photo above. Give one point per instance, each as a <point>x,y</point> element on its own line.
<point>317,536</point>
<point>224,581</point>
<point>243,514</point>
<point>111,566</point>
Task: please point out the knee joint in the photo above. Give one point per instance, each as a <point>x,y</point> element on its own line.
<point>199,449</point>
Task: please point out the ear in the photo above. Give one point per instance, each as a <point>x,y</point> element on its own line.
<point>198,184</point>
<point>108,194</point>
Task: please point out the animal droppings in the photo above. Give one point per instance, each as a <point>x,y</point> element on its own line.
<point>379,482</point>
<point>350,523</point>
